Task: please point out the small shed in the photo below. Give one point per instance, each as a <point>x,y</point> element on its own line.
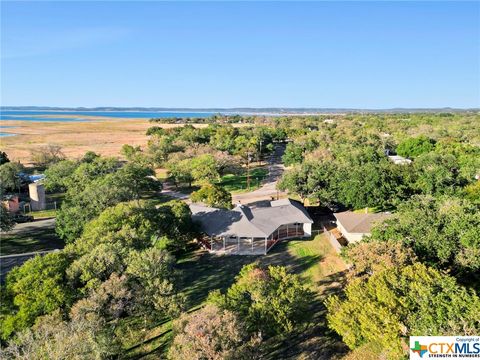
<point>37,196</point>
<point>354,226</point>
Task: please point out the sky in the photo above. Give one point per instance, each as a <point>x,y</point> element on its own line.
<point>241,54</point>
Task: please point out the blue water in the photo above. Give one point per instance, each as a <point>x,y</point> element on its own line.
<point>2,134</point>
<point>46,116</point>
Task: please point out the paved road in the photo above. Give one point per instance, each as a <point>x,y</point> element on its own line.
<point>32,226</point>
<point>7,262</point>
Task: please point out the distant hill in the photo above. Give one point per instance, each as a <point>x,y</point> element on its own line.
<point>272,110</point>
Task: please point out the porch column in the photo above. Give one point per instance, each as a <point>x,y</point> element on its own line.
<point>224,243</point>
<point>252,245</point>
<point>265,246</point>
<point>211,243</point>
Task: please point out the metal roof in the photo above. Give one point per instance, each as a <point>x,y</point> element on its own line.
<point>245,221</point>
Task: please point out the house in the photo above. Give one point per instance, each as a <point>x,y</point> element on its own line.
<point>11,203</point>
<point>251,230</point>
<point>399,160</point>
<point>354,226</point>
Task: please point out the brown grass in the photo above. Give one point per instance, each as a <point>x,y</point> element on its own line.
<point>105,136</point>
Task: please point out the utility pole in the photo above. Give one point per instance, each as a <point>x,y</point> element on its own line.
<point>248,170</point>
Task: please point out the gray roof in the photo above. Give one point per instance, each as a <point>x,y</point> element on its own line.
<point>245,221</point>
<point>359,223</point>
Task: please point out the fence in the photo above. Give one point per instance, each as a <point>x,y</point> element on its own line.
<point>48,206</point>
<point>333,240</point>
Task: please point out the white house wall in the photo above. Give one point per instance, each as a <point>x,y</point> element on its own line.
<point>307,229</point>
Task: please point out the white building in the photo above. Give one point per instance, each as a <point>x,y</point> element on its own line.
<point>399,160</point>
<point>354,226</point>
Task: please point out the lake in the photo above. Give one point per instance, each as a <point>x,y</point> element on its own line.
<point>80,116</point>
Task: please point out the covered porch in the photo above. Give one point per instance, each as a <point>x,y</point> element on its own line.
<point>238,245</point>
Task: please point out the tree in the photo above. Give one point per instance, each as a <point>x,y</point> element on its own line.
<point>160,147</point>
<point>105,245</point>
<point>89,157</point>
<point>36,288</point>
<point>293,154</point>
<point>4,158</point>
<point>47,155</point>
<point>6,219</point>
<point>110,301</point>
<point>472,192</point>
<point>180,172</point>
<point>210,333</point>
<point>96,266</point>
<point>204,169</point>
<point>413,147</point>
<point>10,176</point>
<point>442,232</point>
<point>57,175</point>
<point>437,174</point>
<point>90,193</point>
<point>372,257</point>
<point>398,302</point>
<point>137,225</point>
<point>270,300</point>
<point>213,195</point>
<point>130,152</point>
<point>153,282</point>
<point>53,338</point>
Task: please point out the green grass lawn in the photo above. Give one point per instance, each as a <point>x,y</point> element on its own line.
<point>314,260</point>
<point>43,214</point>
<point>236,183</point>
<point>30,239</point>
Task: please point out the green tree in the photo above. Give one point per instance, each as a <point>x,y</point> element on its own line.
<point>10,179</point>
<point>437,174</point>
<point>400,302</point>
<point>180,172</point>
<point>213,195</point>
<point>443,232</point>
<point>57,175</point>
<point>153,281</point>
<point>413,147</point>
<point>294,154</point>
<point>6,219</point>
<point>87,199</point>
<point>270,300</point>
<point>36,288</point>
<point>4,158</point>
<point>204,169</point>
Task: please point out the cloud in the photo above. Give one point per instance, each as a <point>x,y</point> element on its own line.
<point>50,42</point>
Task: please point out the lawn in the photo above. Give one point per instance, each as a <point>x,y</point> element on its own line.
<point>236,183</point>
<point>314,260</point>
<point>43,214</point>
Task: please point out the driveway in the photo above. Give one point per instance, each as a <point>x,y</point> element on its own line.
<point>268,190</point>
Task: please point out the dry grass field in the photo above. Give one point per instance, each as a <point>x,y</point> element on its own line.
<point>104,136</point>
